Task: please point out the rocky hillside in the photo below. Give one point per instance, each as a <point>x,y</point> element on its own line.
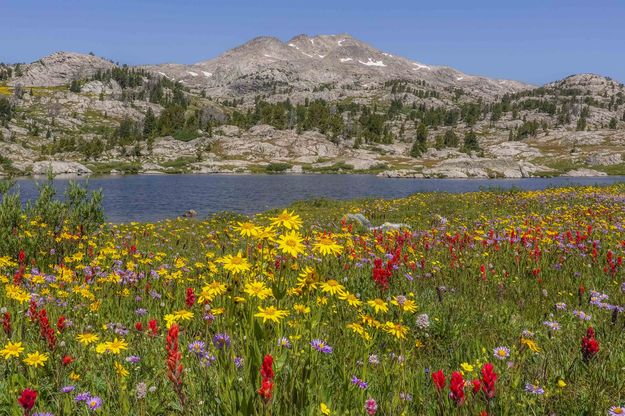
<point>327,103</point>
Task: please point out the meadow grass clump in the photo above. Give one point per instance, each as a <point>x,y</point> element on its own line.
<point>492,303</point>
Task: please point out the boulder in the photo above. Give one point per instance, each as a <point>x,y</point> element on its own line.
<point>59,168</point>
<point>584,172</point>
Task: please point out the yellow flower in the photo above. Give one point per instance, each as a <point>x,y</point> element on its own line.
<point>116,346</point>
<point>121,371</point>
<point>325,410</point>
<point>258,289</point>
<point>210,291</point>
<point>271,314</point>
<point>378,305</point>
<point>397,330</point>
<point>87,338</point>
<point>466,367</point>
<point>36,359</point>
<point>12,350</point>
<point>301,308</point>
<point>561,384</point>
<point>419,344</point>
<point>183,315</point>
<point>351,299</point>
<point>288,220</point>
<point>291,244</point>
<point>406,305</point>
<point>308,278</point>
<point>235,264</point>
<point>247,229</point>
<point>332,287</point>
<point>326,245</point>
<point>531,344</point>
<point>357,328</point>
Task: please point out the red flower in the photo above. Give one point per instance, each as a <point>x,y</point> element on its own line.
<point>67,360</point>
<point>439,380</point>
<point>60,323</point>
<point>456,388</point>
<point>174,361</point>
<point>477,386</point>
<point>265,389</point>
<point>27,400</point>
<point>590,346</point>
<point>153,325</point>
<point>21,257</point>
<point>139,326</point>
<point>266,370</point>
<point>6,323</point>
<point>266,373</point>
<point>488,381</point>
<point>190,300</point>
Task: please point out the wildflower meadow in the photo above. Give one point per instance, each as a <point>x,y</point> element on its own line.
<point>485,303</point>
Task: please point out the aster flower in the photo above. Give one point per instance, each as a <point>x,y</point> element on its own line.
<point>374,360</point>
<point>553,325</point>
<point>134,359</point>
<point>197,347</point>
<point>94,403</point>
<point>321,346</point>
<point>501,353</point>
<point>67,389</point>
<point>221,341</point>
<point>616,411</point>
<point>82,397</point>
<point>284,342</point>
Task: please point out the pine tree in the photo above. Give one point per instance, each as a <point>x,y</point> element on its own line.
<point>471,142</point>
<point>613,123</point>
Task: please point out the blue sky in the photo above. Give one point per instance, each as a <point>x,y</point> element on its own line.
<point>532,41</point>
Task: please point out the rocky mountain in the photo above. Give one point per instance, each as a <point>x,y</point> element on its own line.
<point>328,103</point>
<point>60,68</point>
<point>306,62</point>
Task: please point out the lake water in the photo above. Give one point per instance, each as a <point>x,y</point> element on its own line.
<point>150,198</point>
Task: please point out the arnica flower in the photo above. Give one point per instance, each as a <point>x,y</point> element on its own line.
<point>371,407</point>
<point>534,389</point>
<point>501,353</point>
<point>616,411</point>
<point>321,346</point>
<point>27,400</point>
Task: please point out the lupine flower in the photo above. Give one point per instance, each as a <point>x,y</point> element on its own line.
<point>359,382</point>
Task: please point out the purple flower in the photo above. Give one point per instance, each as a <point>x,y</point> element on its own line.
<point>82,397</point>
<point>553,325</point>
<point>238,362</point>
<point>501,353</point>
<point>67,389</point>
<point>207,359</point>
<point>43,414</point>
<point>321,346</point>
<point>134,359</point>
<point>534,389</point>
<point>373,359</point>
<point>284,342</point>
<point>221,341</point>
<point>359,382</point>
<point>616,411</point>
<point>197,347</point>
<point>94,403</point>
